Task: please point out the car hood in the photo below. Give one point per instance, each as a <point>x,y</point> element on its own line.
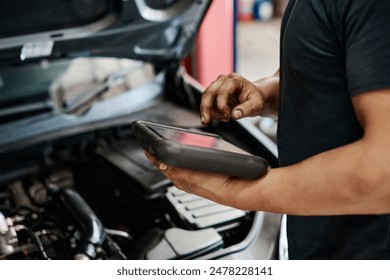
<point>147,30</point>
<point>48,50</point>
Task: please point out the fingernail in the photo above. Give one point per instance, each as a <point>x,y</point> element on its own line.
<point>237,114</point>
<point>162,166</point>
<point>202,119</point>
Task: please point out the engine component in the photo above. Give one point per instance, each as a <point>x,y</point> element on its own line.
<point>91,231</point>
<point>174,244</point>
<point>107,201</point>
<point>201,213</point>
<point>8,236</point>
<point>130,165</point>
<point>39,221</point>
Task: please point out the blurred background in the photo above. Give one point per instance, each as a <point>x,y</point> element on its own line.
<point>238,36</point>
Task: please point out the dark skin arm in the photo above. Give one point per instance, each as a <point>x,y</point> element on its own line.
<point>352,179</point>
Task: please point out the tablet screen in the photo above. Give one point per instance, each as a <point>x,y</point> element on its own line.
<point>195,139</point>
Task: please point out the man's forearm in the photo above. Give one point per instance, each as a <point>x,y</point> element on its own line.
<point>340,181</point>
<point>351,179</point>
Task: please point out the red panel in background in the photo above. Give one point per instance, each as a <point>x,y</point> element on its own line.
<point>214,50</point>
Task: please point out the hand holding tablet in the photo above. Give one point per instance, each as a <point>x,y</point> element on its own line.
<point>201,151</point>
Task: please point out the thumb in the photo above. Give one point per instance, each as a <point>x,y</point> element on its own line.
<point>248,108</point>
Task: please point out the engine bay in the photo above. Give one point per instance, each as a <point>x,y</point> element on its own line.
<point>73,182</point>
<point>97,197</point>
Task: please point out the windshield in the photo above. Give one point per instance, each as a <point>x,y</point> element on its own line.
<point>38,88</point>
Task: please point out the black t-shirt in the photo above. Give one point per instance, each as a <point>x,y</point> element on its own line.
<point>331,50</point>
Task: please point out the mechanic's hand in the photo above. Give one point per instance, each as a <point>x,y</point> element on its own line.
<point>213,186</point>
<point>231,96</point>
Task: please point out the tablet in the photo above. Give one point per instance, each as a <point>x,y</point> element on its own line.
<point>197,150</point>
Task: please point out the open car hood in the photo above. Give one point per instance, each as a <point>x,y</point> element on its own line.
<point>147,30</point>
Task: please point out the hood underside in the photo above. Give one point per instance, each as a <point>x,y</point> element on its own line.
<point>148,30</point>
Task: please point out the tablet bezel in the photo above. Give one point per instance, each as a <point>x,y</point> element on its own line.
<point>198,158</point>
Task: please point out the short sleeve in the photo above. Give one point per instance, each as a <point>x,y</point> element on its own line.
<point>366,26</point>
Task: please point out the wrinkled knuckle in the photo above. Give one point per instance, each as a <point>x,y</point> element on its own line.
<point>232,75</point>
<point>222,76</point>
<point>237,81</point>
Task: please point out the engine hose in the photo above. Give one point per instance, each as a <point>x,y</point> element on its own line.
<point>91,229</point>
<point>39,245</point>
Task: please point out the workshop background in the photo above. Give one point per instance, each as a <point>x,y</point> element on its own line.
<point>74,181</point>
<point>240,36</point>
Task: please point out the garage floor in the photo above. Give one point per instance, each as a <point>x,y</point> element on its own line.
<point>258,48</point>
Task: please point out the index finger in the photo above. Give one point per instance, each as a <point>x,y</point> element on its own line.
<point>208,100</point>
